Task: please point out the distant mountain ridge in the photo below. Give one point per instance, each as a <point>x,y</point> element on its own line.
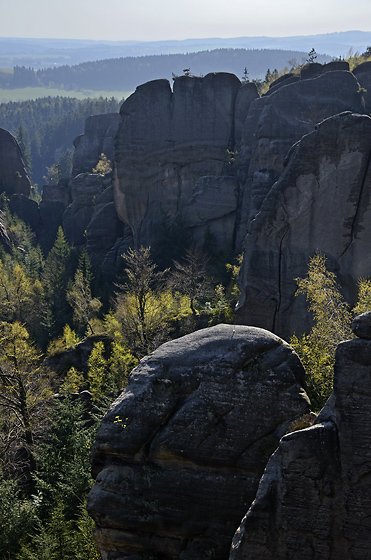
<point>43,53</point>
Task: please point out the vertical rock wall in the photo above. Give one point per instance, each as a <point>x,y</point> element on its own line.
<point>314,500</point>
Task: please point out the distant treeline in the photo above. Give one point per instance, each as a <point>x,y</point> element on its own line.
<point>49,126</point>
<point>126,73</point>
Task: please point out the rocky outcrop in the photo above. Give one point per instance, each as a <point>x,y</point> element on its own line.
<point>98,138</point>
<point>13,175</point>
<point>314,499</point>
<point>320,203</point>
<point>205,155</point>
<point>275,122</point>
<point>179,454</point>
<point>166,141</point>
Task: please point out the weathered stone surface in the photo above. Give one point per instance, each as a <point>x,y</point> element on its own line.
<point>314,500</point>
<point>13,175</point>
<point>213,208</point>
<point>26,209</point>
<point>98,138</point>
<point>166,141</point>
<point>361,325</point>
<point>179,454</point>
<point>246,94</point>
<point>102,233</point>
<point>275,122</point>
<point>57,193</point>
<point>321,202</point>
<point>86,189</point>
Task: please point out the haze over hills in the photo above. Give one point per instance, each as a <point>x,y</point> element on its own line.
<point>42,53</point>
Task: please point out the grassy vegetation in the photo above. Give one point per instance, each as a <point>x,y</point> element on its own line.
<point>25,94</point>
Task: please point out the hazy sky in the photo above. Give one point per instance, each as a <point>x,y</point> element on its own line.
<point>179,19</point>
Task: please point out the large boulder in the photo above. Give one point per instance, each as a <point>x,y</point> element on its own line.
<point>13,175</point>
<point>314,500</point>
<point>179,455</point>
<point>166,141</point>
<point>320,203</point>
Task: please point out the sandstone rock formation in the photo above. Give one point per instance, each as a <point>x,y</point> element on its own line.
<point>168,140</point>
<point>321,202</point>
<point>98,138</point>
<point>275,122</point>
<point>314,500</point>
<point>208,153</point>
<point>13,175</point>
<point>179,454</point>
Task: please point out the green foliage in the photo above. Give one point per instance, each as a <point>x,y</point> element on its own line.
<point>99,378</point>
<point>331,325</point>
<point>364,297</point>
<point>85,307</point>
<point>69,339</point>
<point>24,387</point>
<point>17,518</point>
<point>62,483</point>
<point>355,58</point>
<point>139,305</point>
<point>59,266</point>
<point>121,362</point>
<point>190,277</point>
<point>63,474</point>
<point>73,381</point>
<point>50,124</point>
<point>103,166</point>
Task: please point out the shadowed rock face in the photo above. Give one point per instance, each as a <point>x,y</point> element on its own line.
<point>13,175</point>
<point>314,500</point>
<point>166,142</point>
<point>178,456</point>
<point>275,122</point>
<point>98,138</point>
<point>207,153</point>
<point>321,202</point>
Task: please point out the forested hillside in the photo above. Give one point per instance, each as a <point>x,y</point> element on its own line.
<point>47,127</point>
<point>127,73</point>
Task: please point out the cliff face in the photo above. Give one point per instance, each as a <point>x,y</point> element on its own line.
<point>167,141</point>
<point>13,175</point>
<point>276,121</point>
<point>98,138</point>
<point>320,202</point>
<point>314,498</point>
<point>179,455</point>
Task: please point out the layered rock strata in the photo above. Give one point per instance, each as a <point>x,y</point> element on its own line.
<point>179,455</point>
<point>314,499</point>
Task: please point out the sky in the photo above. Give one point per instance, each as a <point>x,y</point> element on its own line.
<point>154,20</point>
